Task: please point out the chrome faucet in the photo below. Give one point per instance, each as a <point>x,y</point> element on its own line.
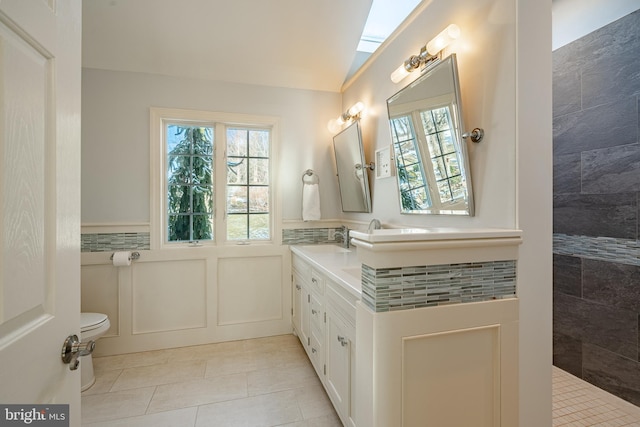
<point>374,225</point>
<point>344,234</point>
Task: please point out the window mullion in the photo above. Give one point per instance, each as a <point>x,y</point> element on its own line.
<point>220,183</point>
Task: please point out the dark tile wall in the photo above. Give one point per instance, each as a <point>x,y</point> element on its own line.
<point>596,156</point>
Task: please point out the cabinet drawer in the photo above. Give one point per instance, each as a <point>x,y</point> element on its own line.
<point>301,266</point>
<point>316,353</point>
<point>340,303</point>
<point>317,282</point>
<point>317,312</point>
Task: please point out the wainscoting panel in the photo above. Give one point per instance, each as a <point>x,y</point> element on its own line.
<point>451,365</point>
<point>249,290</point>
<point>189,296</point>
<point>452,378</point>
<point>100,293</point>
<point>169,296</point>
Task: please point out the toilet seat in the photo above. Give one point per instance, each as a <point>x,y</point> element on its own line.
<point>92,321</point>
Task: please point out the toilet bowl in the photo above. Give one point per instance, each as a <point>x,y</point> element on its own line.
<point>92,327</point>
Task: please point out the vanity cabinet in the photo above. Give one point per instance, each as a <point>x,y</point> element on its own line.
<point>437,326</point>
<point>324,321</point>
<point>308,311</point>
<point>341,354</point>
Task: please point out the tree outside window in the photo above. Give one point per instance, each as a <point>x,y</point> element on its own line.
<point>190,185</point>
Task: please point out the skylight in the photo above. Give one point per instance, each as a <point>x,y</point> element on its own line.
<point>384,18</point>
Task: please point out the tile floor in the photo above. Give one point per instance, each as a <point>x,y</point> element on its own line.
<point>578,403</point>
<point>253,383</point>
<point>267,382</point>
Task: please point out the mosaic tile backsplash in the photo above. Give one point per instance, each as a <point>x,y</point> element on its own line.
<point>297,236</point>
<point>622,251</point>
<point>404,288</point>
<point>106,242</point>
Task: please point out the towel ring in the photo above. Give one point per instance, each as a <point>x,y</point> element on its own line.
<point>312,177</point>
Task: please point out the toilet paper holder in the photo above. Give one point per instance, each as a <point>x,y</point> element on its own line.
<point>134,256</point>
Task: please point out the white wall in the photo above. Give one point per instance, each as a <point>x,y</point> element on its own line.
<point>486,61</point>
<point>115,137</point>
<point>573,19</point>
<point>504,60</point>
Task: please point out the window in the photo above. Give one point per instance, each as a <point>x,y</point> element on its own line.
<point>247,184</point>
<point>436,181</point>
<point>212,178</point>
<point>189,182</point>
<point>438,131</point>
<point>414,194</point>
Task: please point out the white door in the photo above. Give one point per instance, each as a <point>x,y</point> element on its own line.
<point>40,49</point>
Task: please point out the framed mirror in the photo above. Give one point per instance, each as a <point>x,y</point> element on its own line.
<point>432,165</point>
<point>352,170</point>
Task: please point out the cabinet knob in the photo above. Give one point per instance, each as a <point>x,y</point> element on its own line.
<point>342,340</point>
<point>298,287</point>
<point>313,350</point>
<point>314,312</point>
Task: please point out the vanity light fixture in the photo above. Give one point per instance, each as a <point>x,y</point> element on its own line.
<point>351,114</point>
<point>428,53</point>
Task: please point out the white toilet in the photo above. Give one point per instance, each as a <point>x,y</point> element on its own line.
<point>92,327</point>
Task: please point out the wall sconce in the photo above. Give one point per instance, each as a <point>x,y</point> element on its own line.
<point>428,53</point>
<point>351,114</point>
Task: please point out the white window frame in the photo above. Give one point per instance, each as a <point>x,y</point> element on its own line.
<point>158,178</point>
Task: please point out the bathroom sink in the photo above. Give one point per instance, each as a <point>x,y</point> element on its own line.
<point>325,249</point>
<point>355,271</point>
<point>388,235</point>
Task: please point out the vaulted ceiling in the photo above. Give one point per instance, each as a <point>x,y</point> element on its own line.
<point>305,44</point>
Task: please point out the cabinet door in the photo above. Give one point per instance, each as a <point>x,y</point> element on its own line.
<point>305,315</point>
<point>297,305</point>
<point>338,363</point>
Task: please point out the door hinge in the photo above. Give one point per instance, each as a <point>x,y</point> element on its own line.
<point>325,317</point>
<point>292,311</point>
<point>325,369</point>
<point>309,298</point>
<point>308,340</point>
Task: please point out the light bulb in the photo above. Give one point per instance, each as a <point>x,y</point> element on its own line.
<point>399,74</point>
<point>443,39</point>
<point>334,126</point>
<point>355,109</point>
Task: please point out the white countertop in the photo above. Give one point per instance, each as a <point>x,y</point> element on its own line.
<point>339,264</point>
<point>433,233</point>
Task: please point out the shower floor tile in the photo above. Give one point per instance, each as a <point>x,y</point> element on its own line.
<point>578,403</point>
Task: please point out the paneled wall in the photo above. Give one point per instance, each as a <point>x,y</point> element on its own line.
<point>189,296</point>
<point>596,83</point>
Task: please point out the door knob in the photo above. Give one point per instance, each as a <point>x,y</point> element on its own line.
<point>73,348</point>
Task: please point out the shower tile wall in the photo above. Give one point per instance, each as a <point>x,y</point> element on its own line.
<point>596,307</point>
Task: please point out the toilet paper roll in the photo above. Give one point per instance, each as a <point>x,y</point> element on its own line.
<point>122,259</point>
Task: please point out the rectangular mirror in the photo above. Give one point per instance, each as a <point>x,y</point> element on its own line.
<point>431,157</point>
<point>352,170</point>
